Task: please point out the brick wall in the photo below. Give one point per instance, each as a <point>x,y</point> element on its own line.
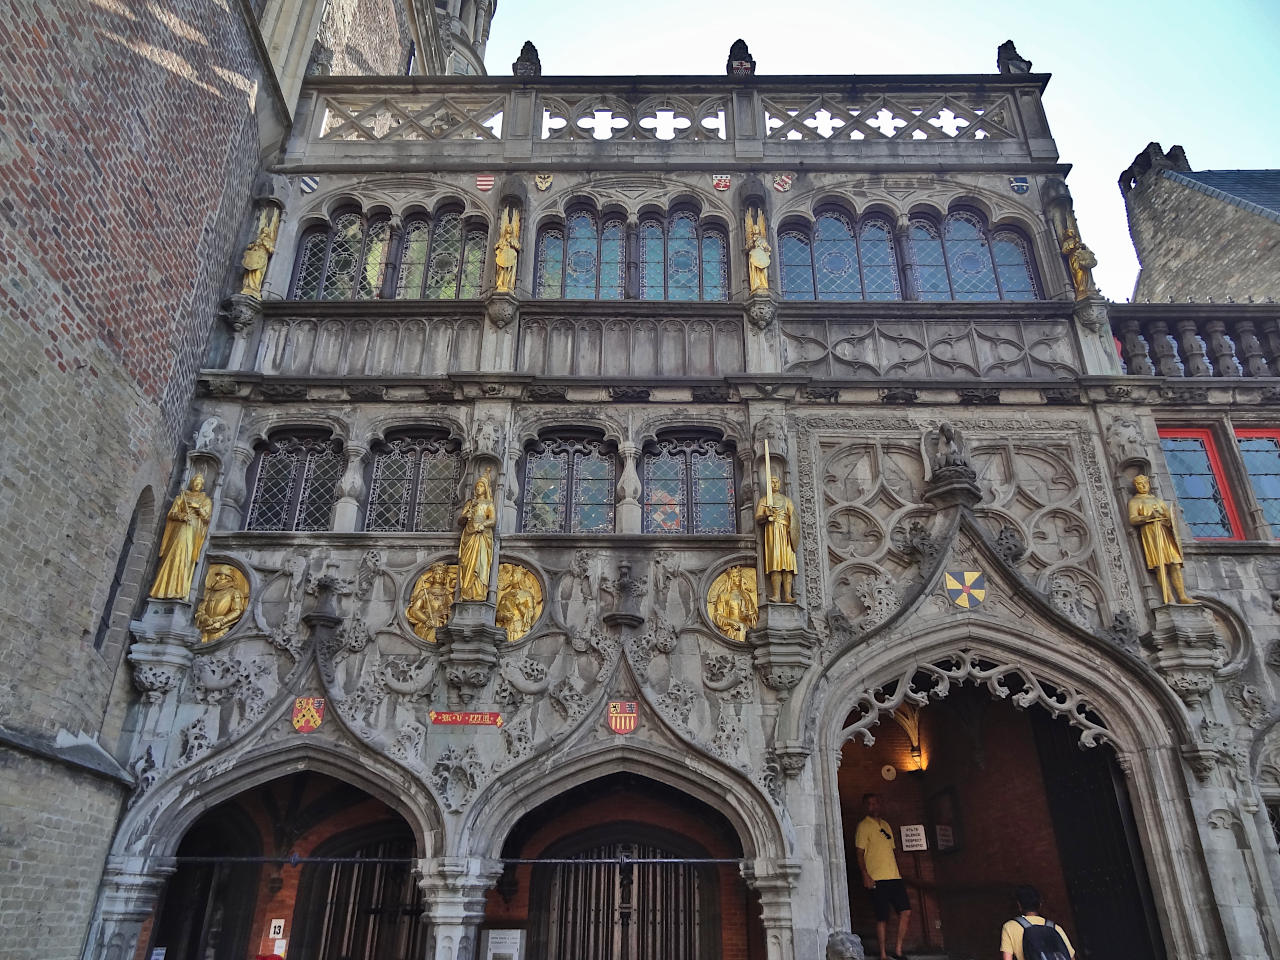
<point>1192,245</point>
<point>366,37</point>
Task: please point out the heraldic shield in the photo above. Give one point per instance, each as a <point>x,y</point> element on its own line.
<point>308,713</point>
<point>623,715</point>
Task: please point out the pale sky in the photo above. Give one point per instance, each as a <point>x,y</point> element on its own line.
<point>1204,75</point>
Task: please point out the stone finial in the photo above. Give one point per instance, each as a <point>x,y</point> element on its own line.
<point>740,63</point>
<point>527,64</point>
<point>1151,158</point>
<point>1008,60</point>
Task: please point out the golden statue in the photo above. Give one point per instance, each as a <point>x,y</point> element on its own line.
<point>475,549</point>
<point>432,599</point>
<point>1080,261</point>
<point>777,514</point>
<point>519,600</point>
<point>258,254</point>
<point>226,595</point>
<point>1160,543</point>
<point>758,252</point>
<point>732,602</point>
<point>184,531</point>
<point>507,251</point>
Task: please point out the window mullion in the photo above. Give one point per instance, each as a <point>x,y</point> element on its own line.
<point>989,240</point>
<point>297,481</point>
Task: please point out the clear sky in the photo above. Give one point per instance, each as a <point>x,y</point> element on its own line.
<point>1204,75</point>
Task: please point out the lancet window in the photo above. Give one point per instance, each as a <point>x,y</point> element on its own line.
<point>960,259</point>
<point>569,487</point>
<point>441,259</point>
<point>585,259</point>
<point>413,482</point>
<point>295,482</point>
<point>688,487</point>
<point>345,260</point>
<point>682,259</point>
<point>840,259</point>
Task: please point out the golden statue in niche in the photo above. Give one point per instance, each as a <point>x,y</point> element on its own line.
<point>475,548</point>
<point>185,527</point>
<point>777,514</point>
<point>506,254</point>
<point>758,252</point>
<point>1160,544</point>
<point>226,597</point>
<point>432,599</point>
<point>1080,261</point>
<point>258,254</point>
<point>733,602</point>
<point>519,600</point>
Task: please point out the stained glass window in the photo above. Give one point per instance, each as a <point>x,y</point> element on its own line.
<point>969,259</point>
<point>653,260</point>
<point>548,282</point>
<point>688,488</point>
<point>295,484</point>
<point>682,260</point>
<point>715,264</point>
<point>927,263</point>
<point>414,479</point>
<point>584,261</point>
<point>569,487</point>
<point>840,260</point>
<point>1260,450</point>
<point>878,261</point>
<point>346,261</point>
<point>582,258</point>
<point>959,263</point>
<point>835,258</point>
<point>1013,266</point>
<point>1196,480</point>
<point>441,261</point>
<point>797,266</point>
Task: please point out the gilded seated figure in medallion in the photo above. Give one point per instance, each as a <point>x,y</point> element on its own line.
<point>432,599</point>
<point>519,600</point>
<point>226,596</point>
<point>733,602</point>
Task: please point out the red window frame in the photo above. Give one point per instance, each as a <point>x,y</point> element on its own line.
<point>1205,435</point>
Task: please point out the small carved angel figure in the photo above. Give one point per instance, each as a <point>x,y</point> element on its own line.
<point>506,253</point>
<point>759,253</point>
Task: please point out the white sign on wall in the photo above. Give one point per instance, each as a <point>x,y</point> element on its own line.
<point>277,929</point>
<point>502,945</point>
<point>913,837</point>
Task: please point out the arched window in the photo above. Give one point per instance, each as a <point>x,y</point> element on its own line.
<point>688,488</point>
<point>295,483</point>
<point>584,260</point>
<point>443,260</point>
<point>344,261</point>
<point>569,487</point>
<point>682,260</point>
<point>413,482</point>
<point>840,260</point>
<point>963,262</point>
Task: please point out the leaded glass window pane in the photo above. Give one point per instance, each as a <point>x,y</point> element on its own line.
<point>797,266</point>
<point>715,265</point>
<point>374,261</point>
<point>879,264</point>
<point>835,258</point>
<point>969,259</point>
<point>311,266</point>
<point>1013,265</point>
<point>569,488</point>
<point>296,484</point>
<point>414,481</point>
<point>613,260</point>
<point>927,261</point>
<point>319,489</point>
<point>1199,496</point>
<point>273,492</point>
<point>391,490</point>
<point>413,259</point>
<point>473,264</point>
<point>344,257</point>
<point>688,488</point>
<point>582,265</point>
<point>593,491</point>
<point>653,261</point>
<point>1261,457</point>
<point>713,497</point>
<point>545,487</point>
<point>446,258</point>
<point>665,490</point>
<point>548,280</point>
<point>682,258</point>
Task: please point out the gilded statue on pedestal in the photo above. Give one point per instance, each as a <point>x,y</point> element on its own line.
<point>1160,544</point>
<point>519,600</point>
<point>758,252</point>
<point>1080,261</point>
<point>475,549</point>
<point>776,513</point>
<point>258,254</point>
<point>732,602</point>
<point>432,599</point>
<point>506,253</point>
<point>184,531</point>
<point>226,596</point>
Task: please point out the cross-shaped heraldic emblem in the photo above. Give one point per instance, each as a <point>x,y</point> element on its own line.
<point>966,588</point>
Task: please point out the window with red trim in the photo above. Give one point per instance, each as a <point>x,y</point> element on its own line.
<point>1200,483</point>
<point>1260,452</point>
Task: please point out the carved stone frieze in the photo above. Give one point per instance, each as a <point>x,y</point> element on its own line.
<point>457,775</point>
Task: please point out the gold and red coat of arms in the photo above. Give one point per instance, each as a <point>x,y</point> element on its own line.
<point>308,713</point>
<point>623,715</point>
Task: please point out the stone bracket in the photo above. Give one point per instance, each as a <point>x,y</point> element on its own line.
<point>1186,649</point>
<point>782,645</point>
<point>469,645</point>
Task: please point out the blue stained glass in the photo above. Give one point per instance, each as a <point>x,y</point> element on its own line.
<point>582,267</point>
<point>835,259</point>
<point>613,265</point>
<point>879,265</point>
<point>797,267</point>
<point>969,259</point>
<point>1262,463</point>
<point>715,266</point>
<point>682,258</point>
<point>1013,265</point>
<point>1199,496</point>
<point>653,261</point>
<point>550,266</point>
<point>927,261</point>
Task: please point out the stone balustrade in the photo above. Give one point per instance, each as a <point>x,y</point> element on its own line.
<point>1198,340</point>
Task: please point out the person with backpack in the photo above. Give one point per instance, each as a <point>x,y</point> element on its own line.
<point>1030,936</point>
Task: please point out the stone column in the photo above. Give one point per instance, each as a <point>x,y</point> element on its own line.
<point>454,888</point>
<point>351,491</point>
<point>232,507</point>
<point>127,897</point>
<point>160,657</point>
<point>774,881</point>
<point>629,516</point>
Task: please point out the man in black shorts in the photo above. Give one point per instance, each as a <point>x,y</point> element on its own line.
<point>876,860</point>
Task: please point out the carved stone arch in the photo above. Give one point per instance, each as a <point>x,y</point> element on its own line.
<point>686,200</point>
<point>258,426</point>
<point>929,209</point>
<point>339,201</point>
<point>641,188</point>
<point>511,795</point>
<point>731,429</point>
<point>882,207</point>
<point>530,425</point>
<point>378,426</point>
<point>828,199</point>
<point>156,824</point>
<point>970,199</point>
<point>1235,632</point>
<point>800,220</point>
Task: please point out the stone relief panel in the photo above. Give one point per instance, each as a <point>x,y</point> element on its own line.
<point>301,346</point>
<point>587,347</point>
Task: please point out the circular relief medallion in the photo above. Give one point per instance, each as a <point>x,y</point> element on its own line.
<point>519,600</point>
<point>226,597</point>
<point>432,598</point>
<point>733,602</point>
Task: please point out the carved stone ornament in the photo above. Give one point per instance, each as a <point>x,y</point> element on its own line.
<point>845,946</point>
<point>240,312</point>
<point>527,64</point>
<point>502,309</point>
<point>469,648</point>
<point>762,310</point>
<point>782,647</point>
<point>1251,704</point>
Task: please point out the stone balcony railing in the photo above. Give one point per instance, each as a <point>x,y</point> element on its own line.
<point>1198,340</point>
<point>465,122</point>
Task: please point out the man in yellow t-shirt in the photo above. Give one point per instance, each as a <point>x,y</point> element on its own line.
<point>1012,933</point>
<point>874,841</point>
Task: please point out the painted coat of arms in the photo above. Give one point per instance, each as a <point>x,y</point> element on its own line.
<point>623,715</point>
<point>308,713</point>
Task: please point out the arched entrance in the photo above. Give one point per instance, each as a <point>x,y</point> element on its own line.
<point>1000,797</point>
<point>304,866</point>
<point>626,868</point>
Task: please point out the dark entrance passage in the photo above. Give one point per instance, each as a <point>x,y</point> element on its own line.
<point>624,868</point>
<point>1003,797</point>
